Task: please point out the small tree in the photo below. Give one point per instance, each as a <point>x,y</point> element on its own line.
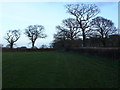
<point>33,32</point>
<point>43,46</point>
<point>102,28</point>
<point>12,36</point>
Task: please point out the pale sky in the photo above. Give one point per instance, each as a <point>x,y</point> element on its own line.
<point>19,15</point>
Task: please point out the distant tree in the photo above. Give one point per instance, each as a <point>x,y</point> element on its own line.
<point>12,36</point>
<point>83,14</point>
<point>43,46</point>
<point>23,47</point>
<point>33,32</point>
<point>59,38</point>
<point>1,45</point>
<point>102,28</point>
<point>51,45</point>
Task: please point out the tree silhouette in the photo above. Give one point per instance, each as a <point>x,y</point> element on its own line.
<point>83,13</point>
<point>33,32</point>
<point>69,29</point>
<point>12,36</point>
<point>102,28</point>
<point>68,34</point>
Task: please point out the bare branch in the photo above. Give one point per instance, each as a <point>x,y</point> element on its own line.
<point>12,36</point>
<point>83,13</point>
<point>33,32</point>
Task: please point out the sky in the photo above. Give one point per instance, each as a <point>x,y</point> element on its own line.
<point>19,15</point>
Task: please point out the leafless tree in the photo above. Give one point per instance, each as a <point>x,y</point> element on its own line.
<point>12,36</point>
<point>67,34</point>
<point>33,32</point>
<point>102,28</point>
<point>69,29</point>
<point>83,14</point>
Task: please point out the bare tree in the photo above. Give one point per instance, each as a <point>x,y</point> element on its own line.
<point>69,29</point>
<point>102,28</point>
<point>61,33</point>
<point>67,34</point>
<point>33,32</point>
<point>12,36</point>
<point>83,13</point>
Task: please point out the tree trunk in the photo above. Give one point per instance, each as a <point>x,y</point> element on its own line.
<point>84,38</point>
<point>33,44</point>
<point>11,45</point>
<point>103,42</point>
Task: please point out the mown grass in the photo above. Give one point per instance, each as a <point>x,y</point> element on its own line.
<point>57,70</point>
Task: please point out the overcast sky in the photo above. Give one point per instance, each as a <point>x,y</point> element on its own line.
<point>19,15</point>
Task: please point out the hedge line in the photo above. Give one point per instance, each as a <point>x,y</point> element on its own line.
<point>25,50</point>
<point>110,53</point>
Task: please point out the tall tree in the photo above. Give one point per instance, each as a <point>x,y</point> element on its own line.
<point>102,27</point>
<point>83,14</point>
<point>12,36</point>
<point>33,32</point>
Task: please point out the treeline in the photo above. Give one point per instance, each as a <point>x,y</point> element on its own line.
<point>33,32</point>
<point>85,29</point>
<point>112,41</point>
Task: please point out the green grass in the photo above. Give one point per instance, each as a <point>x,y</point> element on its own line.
<point>57,70</point>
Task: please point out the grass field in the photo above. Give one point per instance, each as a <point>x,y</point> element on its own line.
<point>57,70</point>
